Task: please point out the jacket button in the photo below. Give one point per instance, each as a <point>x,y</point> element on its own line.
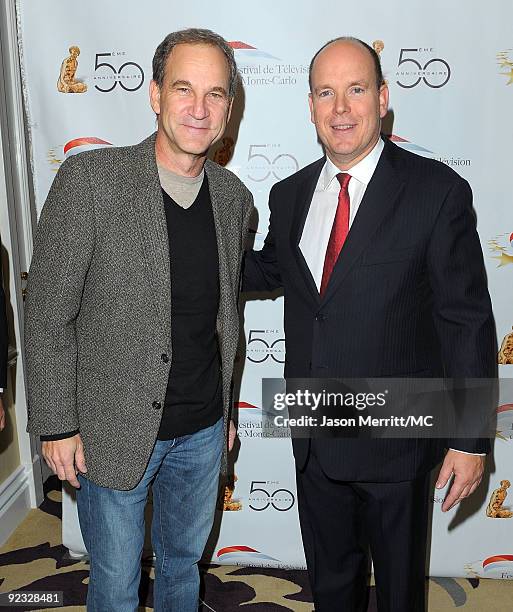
<point>157,405</point>
<point>164,358</point>
<point>320,317</point>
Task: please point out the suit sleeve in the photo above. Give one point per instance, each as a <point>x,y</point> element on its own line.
<point>249,207</point>
<point>3,333</point>
<point>261,270</point>
<point>462,310</point>
<point>62,254</point>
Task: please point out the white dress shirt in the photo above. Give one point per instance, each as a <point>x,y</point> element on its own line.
<point>317,229</point>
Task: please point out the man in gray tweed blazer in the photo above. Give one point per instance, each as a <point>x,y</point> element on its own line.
<point>132,328</point>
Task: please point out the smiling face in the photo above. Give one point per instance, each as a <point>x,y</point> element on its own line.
<point>193,105</point>
<point>345,103</point>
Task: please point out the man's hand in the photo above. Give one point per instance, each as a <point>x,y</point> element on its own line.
<point>65,458</point>
<point>2,414</point>
<point>232,434</point>
<point>467,470</point>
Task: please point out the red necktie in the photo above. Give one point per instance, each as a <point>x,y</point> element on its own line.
<point>339,230</point>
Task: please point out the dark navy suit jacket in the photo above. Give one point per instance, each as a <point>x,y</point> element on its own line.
<point>408,297</point>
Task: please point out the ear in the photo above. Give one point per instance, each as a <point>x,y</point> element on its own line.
<point>311,106</point>
<point>383,100</point>
<point>230,107</point>
<point>155,97</point>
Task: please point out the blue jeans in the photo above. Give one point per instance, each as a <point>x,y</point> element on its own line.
<point>184,473</point>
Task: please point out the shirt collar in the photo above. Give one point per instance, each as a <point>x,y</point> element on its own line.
<point>362,171</point>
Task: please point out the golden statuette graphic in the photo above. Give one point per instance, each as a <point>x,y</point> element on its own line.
<point>224,153</point>
<point>378,46</point>
<point>500,244</point>
<point>230,504</point>
<point>504,62</point>
<point>494,508</point>
<point>505,356</point>
<point>67,82</point>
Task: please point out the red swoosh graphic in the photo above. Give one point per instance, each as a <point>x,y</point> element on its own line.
<point>497,558</point>
<point>77,142</point>
<point>238,44</point>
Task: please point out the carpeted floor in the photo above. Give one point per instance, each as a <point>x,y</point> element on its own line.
<point>34,559</point>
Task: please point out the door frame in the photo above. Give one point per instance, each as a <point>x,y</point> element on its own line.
<point>22,219</point>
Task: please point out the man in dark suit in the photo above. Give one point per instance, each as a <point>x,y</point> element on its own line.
<point>383,276</point>
<point>3,348</point>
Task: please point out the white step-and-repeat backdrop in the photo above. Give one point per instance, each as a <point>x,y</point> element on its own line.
<point>449,66</point>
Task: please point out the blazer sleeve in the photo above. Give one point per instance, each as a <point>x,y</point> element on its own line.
<point>3,333</point>
<point>63,251</point>
<point>261,270</point>
<point>462,310</point>
<point>248,208</point>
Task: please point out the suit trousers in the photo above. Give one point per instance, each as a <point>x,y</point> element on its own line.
<point>341,521</point>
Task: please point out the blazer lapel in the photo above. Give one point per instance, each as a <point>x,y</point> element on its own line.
<point>305,191</point>
<point>379,200</point>
<point>222,222</point>
<point>145,197</point>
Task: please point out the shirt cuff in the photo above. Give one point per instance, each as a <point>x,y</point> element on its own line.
<point>61,436</point>
<point>466,453</point>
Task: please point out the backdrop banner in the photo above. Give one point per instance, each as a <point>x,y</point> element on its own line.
<point>451,94</point>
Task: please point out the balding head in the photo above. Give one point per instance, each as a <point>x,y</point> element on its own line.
<point>351,39</point>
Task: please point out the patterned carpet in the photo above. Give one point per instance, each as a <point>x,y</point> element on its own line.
<point>34,559</point>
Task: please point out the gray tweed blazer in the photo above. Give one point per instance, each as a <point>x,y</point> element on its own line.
<point>97,314</point>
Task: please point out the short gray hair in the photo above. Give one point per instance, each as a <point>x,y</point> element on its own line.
<point>194,36</point>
